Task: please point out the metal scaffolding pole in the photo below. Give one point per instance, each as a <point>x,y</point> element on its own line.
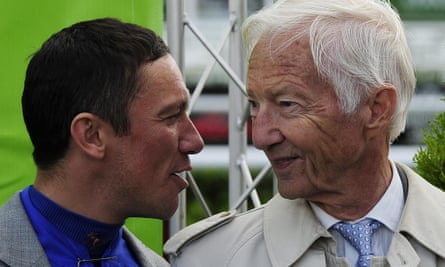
<point>240,184</point>
<point>175,40</point>
<point>238,104</point>
<point>175,30</point>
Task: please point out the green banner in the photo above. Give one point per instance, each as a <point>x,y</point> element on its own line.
<point>420,9</point>
<point>24,26</point>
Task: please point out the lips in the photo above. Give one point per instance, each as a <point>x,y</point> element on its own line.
<point>181,178</point>
<point>281,163</point>
<point>181,174</point>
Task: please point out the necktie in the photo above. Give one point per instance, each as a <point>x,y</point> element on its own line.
<point>359,236</point>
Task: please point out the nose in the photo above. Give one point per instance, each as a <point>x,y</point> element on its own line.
<point>265,130</point>
<point>191,141</point>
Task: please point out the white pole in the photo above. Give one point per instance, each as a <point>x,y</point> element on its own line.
<point>175,40</point>
<point>238,104</point>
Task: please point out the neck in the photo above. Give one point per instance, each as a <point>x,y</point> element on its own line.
<point>73,225</point>
<point>359,196</point>
<point>81,194</point>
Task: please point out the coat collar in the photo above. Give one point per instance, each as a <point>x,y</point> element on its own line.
<point>290,228</point>
<point>423,202</point>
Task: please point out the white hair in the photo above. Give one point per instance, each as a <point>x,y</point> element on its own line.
<point>356,45</point>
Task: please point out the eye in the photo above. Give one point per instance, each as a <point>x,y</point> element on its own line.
<point>289,106</point>
<point>253,107</point>
<point>288,103</point>
<point>172,113</point>
<point>173,118</point>
<point>177,115</point>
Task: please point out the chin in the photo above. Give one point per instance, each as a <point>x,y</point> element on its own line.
<point>289,194</point>
<point>163,212</point>
<point>167,212</point>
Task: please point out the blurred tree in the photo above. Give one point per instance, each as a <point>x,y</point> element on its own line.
<point>430,160</point>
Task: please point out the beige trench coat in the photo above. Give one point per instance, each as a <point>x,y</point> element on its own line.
<point>286,233</point>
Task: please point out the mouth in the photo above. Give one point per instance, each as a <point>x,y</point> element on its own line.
<point>280,163</point>
<point>181,174</point>
<point>181,179</point>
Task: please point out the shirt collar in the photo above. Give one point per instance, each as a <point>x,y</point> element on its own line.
<point>73,225</point>
<point>387,211</point>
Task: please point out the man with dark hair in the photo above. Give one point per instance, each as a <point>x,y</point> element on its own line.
<point>104,104</point>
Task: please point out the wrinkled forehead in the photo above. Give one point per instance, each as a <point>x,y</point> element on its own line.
<point>278,38</point>
<point>282,50</point>
<point>276,68</point>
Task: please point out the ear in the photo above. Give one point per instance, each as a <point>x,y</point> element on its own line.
<point>382,105</point>
<point>86,131</point>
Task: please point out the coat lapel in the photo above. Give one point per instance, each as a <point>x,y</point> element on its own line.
<point>419,218</point>
<point>144,256</point>
<point>290,228</point>
<point>20,245</point>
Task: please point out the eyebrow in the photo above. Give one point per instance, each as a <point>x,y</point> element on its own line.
<point>177,105</point>
<point>273,93</point>
<point>173,107</point>
<point>282,91</point>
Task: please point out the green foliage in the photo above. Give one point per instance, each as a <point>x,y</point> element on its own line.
<point>430,160</point>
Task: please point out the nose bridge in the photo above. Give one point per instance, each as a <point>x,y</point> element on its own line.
<point>265,129</point>
<point>190,141</point>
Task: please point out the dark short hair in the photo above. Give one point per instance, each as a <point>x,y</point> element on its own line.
<point>91,66</point>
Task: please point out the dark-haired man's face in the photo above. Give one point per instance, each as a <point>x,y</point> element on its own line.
<point>148,161</point>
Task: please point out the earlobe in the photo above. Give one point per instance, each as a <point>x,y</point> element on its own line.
<point>86,133</point>
<point>382,106</point>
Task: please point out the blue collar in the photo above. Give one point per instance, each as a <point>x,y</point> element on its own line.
<point>75,226</point>
<point>66,236</point>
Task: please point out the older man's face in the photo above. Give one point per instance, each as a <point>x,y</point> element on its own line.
<point>297,122</point>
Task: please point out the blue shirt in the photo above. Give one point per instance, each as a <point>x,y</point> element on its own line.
<point>68,238</point>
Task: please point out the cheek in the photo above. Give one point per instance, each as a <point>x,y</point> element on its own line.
<point>158,150</point>
<point>338,141</point>
<point>321,138</point>
<point>151,151</point>
<point>304,132</point>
